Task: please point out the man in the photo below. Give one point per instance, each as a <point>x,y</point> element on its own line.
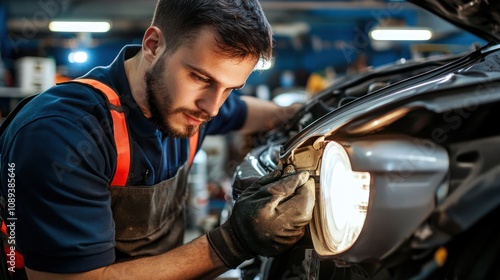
<point>100,164</point>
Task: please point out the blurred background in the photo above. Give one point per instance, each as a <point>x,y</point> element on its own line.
<point>311,36</point>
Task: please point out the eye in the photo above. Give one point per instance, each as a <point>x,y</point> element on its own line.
<point>201,79</point>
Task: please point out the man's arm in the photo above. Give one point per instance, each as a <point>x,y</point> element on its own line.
<point>265,115</point>
<point>194,260</point>
<point>267,219</point>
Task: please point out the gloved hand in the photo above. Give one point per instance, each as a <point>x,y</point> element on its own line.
<point>267,219</point>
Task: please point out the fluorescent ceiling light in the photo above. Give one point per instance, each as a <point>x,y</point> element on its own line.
<point>291,29</point>
<point>79,26</point>
<point>400,34</point>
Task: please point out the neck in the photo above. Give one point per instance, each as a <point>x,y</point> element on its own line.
<point>135,71</point>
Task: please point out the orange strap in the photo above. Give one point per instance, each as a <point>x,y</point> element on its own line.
<point>120,131</point>
<point>193,145</point>
<point>3,229</point>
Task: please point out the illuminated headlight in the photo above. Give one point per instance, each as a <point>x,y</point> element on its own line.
<point>373,193</point>
<point>344,196</point>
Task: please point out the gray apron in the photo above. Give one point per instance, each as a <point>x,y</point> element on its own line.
<point>149,220</point>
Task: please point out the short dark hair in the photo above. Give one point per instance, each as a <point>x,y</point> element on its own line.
<point>242,27</point>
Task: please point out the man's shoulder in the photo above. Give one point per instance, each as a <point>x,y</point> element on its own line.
<point>69,100</point>
<point>75,104</point>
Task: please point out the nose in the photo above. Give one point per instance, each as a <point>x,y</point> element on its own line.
<point>211,101</point>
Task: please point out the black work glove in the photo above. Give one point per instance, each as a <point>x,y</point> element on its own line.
<point>267,219</point>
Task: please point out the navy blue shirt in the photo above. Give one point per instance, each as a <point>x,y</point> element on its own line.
<point>63,150</point>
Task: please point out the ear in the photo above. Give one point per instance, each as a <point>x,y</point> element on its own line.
<point>152,43</point>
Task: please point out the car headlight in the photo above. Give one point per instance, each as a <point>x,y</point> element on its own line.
<point>373,193</point>
<point>344,196</point>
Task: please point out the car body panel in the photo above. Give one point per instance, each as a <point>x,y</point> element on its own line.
<point>480,17</point>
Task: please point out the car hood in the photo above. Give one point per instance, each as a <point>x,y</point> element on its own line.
<point>481,17</point>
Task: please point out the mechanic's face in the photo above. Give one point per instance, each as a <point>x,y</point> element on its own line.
<point>187,88</point>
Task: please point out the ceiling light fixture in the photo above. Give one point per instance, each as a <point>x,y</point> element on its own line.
<point>79,26</point>
<point>401,34</point>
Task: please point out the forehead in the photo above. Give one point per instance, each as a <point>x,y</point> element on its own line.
<point>203,51</point>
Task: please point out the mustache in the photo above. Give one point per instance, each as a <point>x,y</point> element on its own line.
<point>203,116</point>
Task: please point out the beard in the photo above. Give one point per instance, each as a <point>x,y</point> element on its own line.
<point>160,102</point>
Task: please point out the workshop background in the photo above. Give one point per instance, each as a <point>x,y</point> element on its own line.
<point>316,43</point>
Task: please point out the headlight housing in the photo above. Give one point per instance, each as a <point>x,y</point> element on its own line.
<point>373,193</point>
<point>344,198</point>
